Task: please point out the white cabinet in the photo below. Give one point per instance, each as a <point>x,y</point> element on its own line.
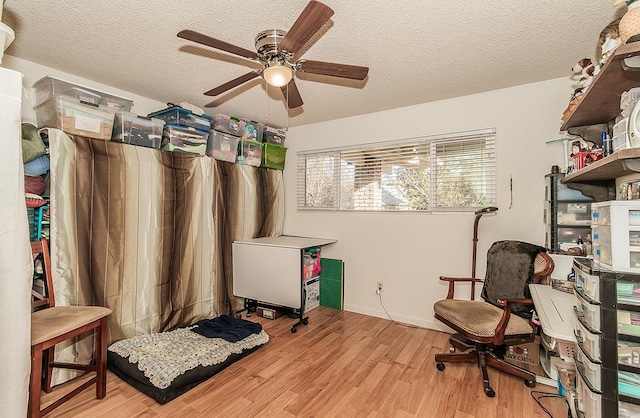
<point>270,270</point>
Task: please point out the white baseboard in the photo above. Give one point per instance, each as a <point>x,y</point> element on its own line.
<point>419,322</point>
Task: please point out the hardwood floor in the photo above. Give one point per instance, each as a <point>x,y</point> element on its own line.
<point>342,364</point>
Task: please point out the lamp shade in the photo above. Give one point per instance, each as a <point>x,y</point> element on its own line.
<point>277,75</point>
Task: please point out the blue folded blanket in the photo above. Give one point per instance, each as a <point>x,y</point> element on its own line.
<point>226,327</point>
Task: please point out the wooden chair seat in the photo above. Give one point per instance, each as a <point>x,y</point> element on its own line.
<point>51,325</point>
<point>478,318</point>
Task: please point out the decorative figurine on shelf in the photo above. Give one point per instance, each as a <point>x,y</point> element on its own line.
<point>630,22</point>
<point>584,72</point>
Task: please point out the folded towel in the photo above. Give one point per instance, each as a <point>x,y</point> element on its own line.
<point>226,327</point>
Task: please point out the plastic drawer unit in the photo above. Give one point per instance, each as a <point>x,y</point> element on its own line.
<point>589,402</point>
<point>587,281</point>
<point>616,234</point>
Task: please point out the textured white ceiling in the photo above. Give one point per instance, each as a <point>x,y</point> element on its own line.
<point>417,50</point>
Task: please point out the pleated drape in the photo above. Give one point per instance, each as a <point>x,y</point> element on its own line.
<point>148,233</point>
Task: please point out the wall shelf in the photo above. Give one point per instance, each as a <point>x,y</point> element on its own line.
<point>620,163</point>
<point>601,102</point>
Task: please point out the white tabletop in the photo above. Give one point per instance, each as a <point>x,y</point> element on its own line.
<point>289,241</point>
<point>555,310</point>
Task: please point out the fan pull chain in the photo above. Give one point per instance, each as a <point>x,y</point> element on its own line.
<point>266,104</point>
<point>287,109</point>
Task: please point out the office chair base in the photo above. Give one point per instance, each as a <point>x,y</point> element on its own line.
<point>470,352</point>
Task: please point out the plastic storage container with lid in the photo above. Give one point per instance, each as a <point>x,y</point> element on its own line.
<point>228,124</point>
<point>253,130</point>
<point>249,153</point>
<point>273,156</point>
<point>176,138</point>
<point>222,146</point>
<point>273,135</point>
<point>185,118</point>
<point>76,118</point>
<point>48,87</point>
<point>130,128</point>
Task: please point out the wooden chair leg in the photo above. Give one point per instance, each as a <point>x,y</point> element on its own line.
<point>101,359</point>
<point>35,382</point>
<point>48,368</point>
<point>495,362</point>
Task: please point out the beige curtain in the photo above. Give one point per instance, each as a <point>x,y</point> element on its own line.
<point>148,233</point>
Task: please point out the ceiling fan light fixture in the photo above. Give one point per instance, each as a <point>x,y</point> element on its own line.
<point>277,74</point>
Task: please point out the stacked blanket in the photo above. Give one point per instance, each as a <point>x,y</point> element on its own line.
<point>167,364</point>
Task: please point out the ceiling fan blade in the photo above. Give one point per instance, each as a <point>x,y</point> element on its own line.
<point>233,83</point>
<point>292,95</point>
<point>312,18</point>
<point>216,43</point>
<point>330,68</point>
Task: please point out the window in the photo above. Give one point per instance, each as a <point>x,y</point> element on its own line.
<point>443,172</point>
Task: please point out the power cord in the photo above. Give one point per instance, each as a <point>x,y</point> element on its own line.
<point>549,395</point>
<point>393,320</point>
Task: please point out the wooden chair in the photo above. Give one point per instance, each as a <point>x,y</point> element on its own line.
<point>51,325</point>
<point>485,328</point>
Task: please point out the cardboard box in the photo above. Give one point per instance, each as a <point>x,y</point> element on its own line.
<point>312,293</point>
<point>269,313</point>
<point>528,353</point>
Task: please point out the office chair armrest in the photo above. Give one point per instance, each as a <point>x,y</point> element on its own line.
<point>512,301</point>
<point>506,303</point>
<point>453,280</point>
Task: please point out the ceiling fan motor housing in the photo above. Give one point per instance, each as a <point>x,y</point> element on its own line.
<point>268,45</point>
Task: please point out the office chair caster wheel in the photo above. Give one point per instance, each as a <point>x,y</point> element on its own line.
<point>238,315</point>
<point>530,383</point>
<point>294,330</point>
<point>305,321</point>
<point>489,392</point>
<point>452,349</point>
<point>440,366</point>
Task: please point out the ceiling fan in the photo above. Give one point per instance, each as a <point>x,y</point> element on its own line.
<point>275,50</point>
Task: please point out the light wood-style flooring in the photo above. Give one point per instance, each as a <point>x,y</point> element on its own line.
<point>342,364</point>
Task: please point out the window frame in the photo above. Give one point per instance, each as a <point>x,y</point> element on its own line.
<point>489,151</point>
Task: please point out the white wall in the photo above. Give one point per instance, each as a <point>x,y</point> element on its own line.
<point>408,252</point>
<point>34,72</point>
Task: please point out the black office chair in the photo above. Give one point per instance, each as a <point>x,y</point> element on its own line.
<point>485,328</point>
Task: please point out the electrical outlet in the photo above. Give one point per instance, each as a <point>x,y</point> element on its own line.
<point>378,288</point>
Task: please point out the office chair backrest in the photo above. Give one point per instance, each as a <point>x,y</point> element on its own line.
<point>511,267</point>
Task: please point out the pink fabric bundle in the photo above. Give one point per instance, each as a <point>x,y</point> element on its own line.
<point>35,185</point>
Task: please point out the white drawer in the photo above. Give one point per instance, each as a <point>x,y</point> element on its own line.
<point>589,403</point>
<point>588,284</point>
<point>587,341</point>
<point>590,312</point>
<point>590,371</point>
